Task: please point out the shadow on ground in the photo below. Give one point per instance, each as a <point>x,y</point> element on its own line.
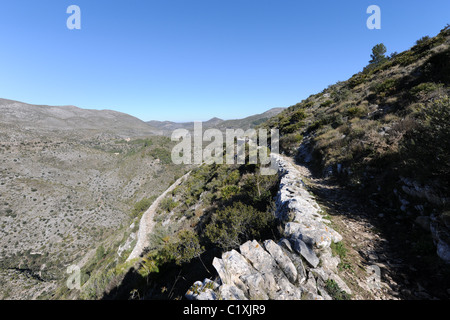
<point>385,237</point>
<point>170,284</point>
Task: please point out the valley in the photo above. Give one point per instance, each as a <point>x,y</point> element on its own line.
<point>362,184</point>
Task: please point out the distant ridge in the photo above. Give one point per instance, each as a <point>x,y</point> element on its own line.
<point>167,127</point>
<point>44,118</point>
<point>70,118</point>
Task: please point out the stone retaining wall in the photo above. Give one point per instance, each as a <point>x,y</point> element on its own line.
<point>297,267</point>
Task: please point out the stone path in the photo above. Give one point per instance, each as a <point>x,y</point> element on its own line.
<point>146,224</point>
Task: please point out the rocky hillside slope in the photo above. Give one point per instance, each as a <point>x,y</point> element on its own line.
<point>69,179</point>
<point>68,119</point>
<point>385,133</point>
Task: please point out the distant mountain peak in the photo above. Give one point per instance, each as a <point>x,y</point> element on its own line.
<point>214,120</point>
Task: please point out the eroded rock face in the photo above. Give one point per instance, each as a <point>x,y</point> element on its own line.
<point>297,267</point>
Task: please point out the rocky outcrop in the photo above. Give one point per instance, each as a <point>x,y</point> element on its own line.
<point>297,267</point>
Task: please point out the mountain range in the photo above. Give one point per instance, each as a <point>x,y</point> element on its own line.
<point>167,127</point>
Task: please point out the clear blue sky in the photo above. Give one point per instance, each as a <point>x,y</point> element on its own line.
<point>195,59</point>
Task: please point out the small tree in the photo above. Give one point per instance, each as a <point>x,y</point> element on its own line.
<point>378,54</point>
<point>422,40</point>
<point>188,247</point>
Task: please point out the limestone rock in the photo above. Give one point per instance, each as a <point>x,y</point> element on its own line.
<point>312,296</point>
<point>340,283</point>
<point>282,260</point>
<point>311,285</point>
<point>307,252</point>
<point>260,259</point>
<point>329,262</point>
<point>207,294</point>
<point>220,268</point>
<point>256,286</point>
<point>236,266</point>
<point>288,291</point>
<point>202,290</point>
<point>296,260</point>
<point>230,292</point>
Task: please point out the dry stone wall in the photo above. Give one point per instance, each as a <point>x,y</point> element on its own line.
<point>297,267</point>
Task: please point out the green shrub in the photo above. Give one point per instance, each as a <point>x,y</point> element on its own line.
<point>425,44</point>
<point>422,41</point>
<point>291,128</point>
<point>147,266</point>
<point>232,226</point>
<point>423,89</point>
<point>308,104</point>
<point>326,103</point>
<point>356,111</point>
<point>339,249</point>
<point>140,207</point>
<point>233,177</point>
<point>298,116</point>
<point>357,79</point>
<point>187,247</point>
<point>290,142</point>
<point>406,58</point>
<point>168,204</point>
<point>425,149</point>
<point>164,155</point>
<point>340,94</point>
<point>100,253</point>
<point>159,237</point>
<point>229,191</point>
<point>386,88</point>
<point>335,292</point>
<point>257,190</point>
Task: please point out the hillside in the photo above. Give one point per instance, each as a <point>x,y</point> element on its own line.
<point>69,182</point>
<point>67,119</point>
<point>74,184</point>
<point>385,133</point>
<point>374,152</point>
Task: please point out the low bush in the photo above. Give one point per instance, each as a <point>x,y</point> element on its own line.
<point>232,226</point>
<point>140,207</point>
<point>423,89</point>
<point>426,146</point>
<point>386,88</point>
<point>335,292</point>
<point>168,204</point>
<point>326,103</point>
<point>290,142</point>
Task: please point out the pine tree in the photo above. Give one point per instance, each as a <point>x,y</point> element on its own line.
<point>378,54</point>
